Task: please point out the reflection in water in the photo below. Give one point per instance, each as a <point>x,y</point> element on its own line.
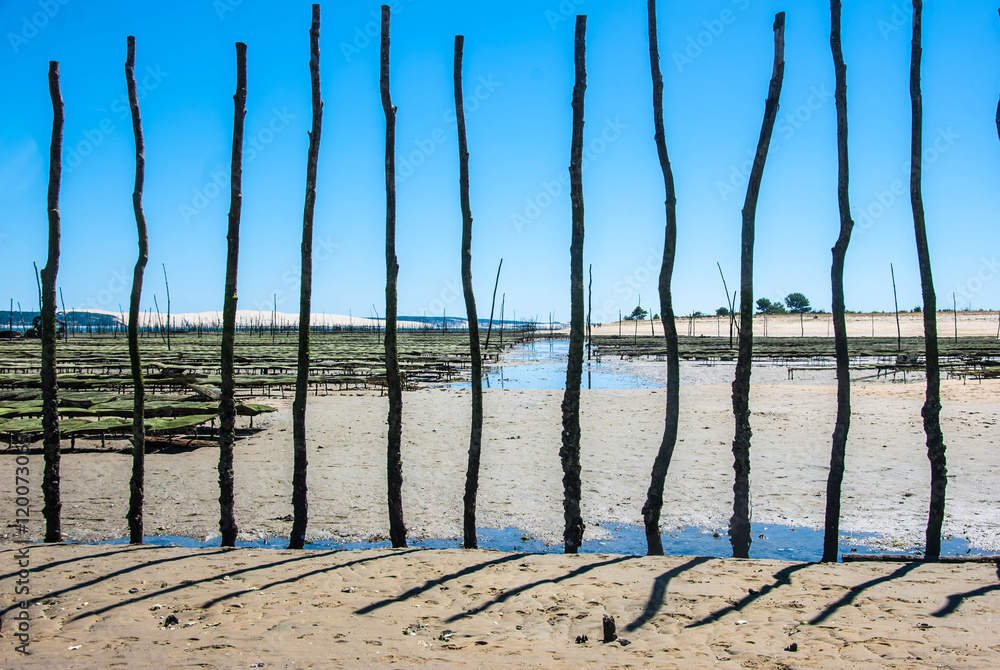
<point>541,364</point>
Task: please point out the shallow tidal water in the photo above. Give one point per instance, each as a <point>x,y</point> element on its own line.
<point>769,542</point>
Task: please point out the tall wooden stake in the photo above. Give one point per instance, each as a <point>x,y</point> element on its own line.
<point>654,496</point>
<point>476,436</point>
<point>300,502</point>
<point>397,529</point>
<point>227,404</point>
<point>954,302</point>
<point>493,304</point>
<point>569,453</point>
<point>895,300</point>
<point>831,538</point>
<point>931,411</point>
<point>52,507</point>
<point>137,483</point>
<point>166,283</point>
<point>739,524</point>
<point>590,302</point>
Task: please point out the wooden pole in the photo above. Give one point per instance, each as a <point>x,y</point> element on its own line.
<point>476,435</point>
<point>590,298</point>
<point>394,385</point>
<point>166,283</point>
<point>227,404</point>
<point>729,301</point>
<point>503,301</point>
<point>65,317</point>
<point>569,453</point>
<point>493,305</point>
<point>842,425</point>
<point>654,496</point>
<point>137,483</point>
<point>38,281</point>
<point>739,524</point>
<point>895,300</point>
<point>52,507</point>
<point>954,302</point>
<point>931,412</point>
<point>300,501</point>
<point>159,320</point>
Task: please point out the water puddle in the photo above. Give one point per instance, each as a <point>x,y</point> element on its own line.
<point>769,542</point>
<point>541,364</point>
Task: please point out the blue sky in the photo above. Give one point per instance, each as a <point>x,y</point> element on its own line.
<point>716,58</point>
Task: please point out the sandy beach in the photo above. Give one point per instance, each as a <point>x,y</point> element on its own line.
<point>106,606</point>
<point>118,607</point>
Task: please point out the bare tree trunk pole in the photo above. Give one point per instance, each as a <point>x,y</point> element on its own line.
<point>476,436</point>
<point>569,454</point>
<point>895,300</point>
<point>397,529</point>
<point>493,304</point>
<point>831,538</point>
<point>590,304</point>
<point>38,281</point>
<point>729,301</point>
<point>739,524</point>
<point>166,283</point>
<point>137,483</point>
<point>300,501</point>
<point>227,404</point>
<point>931,411</point>
<point>954,302</point>
<point>65,316</point>
<point>52,507</point>
<point>654,496</point>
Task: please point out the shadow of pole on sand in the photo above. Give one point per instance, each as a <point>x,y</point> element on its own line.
<point>659,592</point>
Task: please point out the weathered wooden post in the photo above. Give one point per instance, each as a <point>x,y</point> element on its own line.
<point>739,524</point>
<point>831,538</point>
<point>569,453</point>
<point>476,436</point>
<point>137,484</point>
<point>931,411</point>
<point>52,507</point>
<point>227,404</point>
<point>394,384</point>
<point>654,496</point>
<point>300,502</point>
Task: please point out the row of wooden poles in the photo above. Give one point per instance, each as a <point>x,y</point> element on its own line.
<point>739,529</point>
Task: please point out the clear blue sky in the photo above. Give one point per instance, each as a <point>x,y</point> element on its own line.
<point>518,72</point>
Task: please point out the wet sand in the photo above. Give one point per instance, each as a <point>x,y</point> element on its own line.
<point>886,487</point>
